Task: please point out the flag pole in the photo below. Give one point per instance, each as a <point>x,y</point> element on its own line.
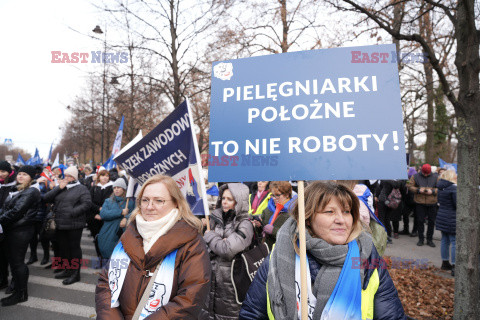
<point>303,251</point>
<point>199,166</point>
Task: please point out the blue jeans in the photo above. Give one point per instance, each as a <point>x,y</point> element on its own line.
<point>448,239</point>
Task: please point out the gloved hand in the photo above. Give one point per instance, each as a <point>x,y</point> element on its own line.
<point>268,229</point>
<point>1,229</point>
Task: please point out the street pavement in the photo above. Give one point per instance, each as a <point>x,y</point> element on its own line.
<point>405,247</point>
<point>49,299</point>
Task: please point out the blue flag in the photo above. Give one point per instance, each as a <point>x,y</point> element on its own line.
<point>20,160</point>
<point>117,144</point>
<point>109,164</point>
<point>213,191</point>
<point>446,165</point>
<point>169,149</point>
<point>35,159</point>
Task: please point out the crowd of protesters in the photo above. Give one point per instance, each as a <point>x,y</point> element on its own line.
<point>156,230</point>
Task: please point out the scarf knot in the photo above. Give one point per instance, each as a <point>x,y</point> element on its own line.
<point>152,230</point>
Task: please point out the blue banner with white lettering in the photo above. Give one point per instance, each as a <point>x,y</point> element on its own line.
<point>310,115</point>
<point>169,149</point>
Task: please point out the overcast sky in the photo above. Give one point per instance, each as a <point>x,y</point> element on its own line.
<point>34,91</point>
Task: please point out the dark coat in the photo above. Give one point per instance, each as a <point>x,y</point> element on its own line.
<point>20,209</point>
<point>268,213</point>
<point>99,195</point>
<point>70,206</point>
<point>447,211</point>
<point>42,208</point>
<point>384,190</point>
<point>6,187</point>
<point>191,278</point>
<point>230,233</point>
<point>418,181</point>
<point>87,181</point>
<point>387,305</point>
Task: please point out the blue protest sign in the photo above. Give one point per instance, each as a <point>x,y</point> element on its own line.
<point>310,115</point>
<point>169,149</point>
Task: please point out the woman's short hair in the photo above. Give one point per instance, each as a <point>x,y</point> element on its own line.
<point>104,173</point>
<point>283,186</point>
<point>317,196</point>
<point>177,197</point>
<point>449,175</point>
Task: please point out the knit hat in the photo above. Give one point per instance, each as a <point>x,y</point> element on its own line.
<point>120,183</point>
<point>411,172</point>
<point>426,169</point>
<point>5,166</point>
<point>72,171</point>
<point>30,170</point>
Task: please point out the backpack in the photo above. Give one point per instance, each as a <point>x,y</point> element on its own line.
<point>394,199</point>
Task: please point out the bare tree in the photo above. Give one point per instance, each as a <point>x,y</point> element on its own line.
<point>462,16</point>
<point>272,26</point>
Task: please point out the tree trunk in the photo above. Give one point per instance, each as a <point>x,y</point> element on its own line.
<point>467,61</point>
<point>425,26</point>
<point>177,95</point>
<point>283,15</point>
<point>397,25</point>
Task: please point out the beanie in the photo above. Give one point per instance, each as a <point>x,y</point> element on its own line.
<point>426,169</point>
<point>5,166</point>
<point>120,183</point>
<point>30,170</point>
<point>72,171</point>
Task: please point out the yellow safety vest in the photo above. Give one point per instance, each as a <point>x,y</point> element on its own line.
<point>260,207</point>
<point>367,298</point>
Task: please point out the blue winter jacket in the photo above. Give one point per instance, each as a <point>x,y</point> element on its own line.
<point>387,305</point>
<point>111,214</point>
<point>447,211</point>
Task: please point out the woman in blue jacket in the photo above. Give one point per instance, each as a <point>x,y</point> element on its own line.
<point>447,217</point>
<point>112,213</point>
<point>348,279</point>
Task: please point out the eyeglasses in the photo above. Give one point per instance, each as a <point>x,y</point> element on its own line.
<point>277,195</point>
<point>157,203</point>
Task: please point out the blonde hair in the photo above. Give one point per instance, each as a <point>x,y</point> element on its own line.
<point>449,175</point>
<point>178,198</point>
<point>23,186</point>
<point>318,195</point>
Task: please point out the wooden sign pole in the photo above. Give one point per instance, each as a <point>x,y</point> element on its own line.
<point>303,251</point>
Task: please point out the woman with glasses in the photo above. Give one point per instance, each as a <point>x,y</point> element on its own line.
<point>162,242</point>
<point>276,212</point>
<point>346,277</point>
<point>230,233</point>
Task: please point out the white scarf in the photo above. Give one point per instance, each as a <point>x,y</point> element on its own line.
<point>71,185</point>
<point>152,230</point>
<point>103,186</point>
